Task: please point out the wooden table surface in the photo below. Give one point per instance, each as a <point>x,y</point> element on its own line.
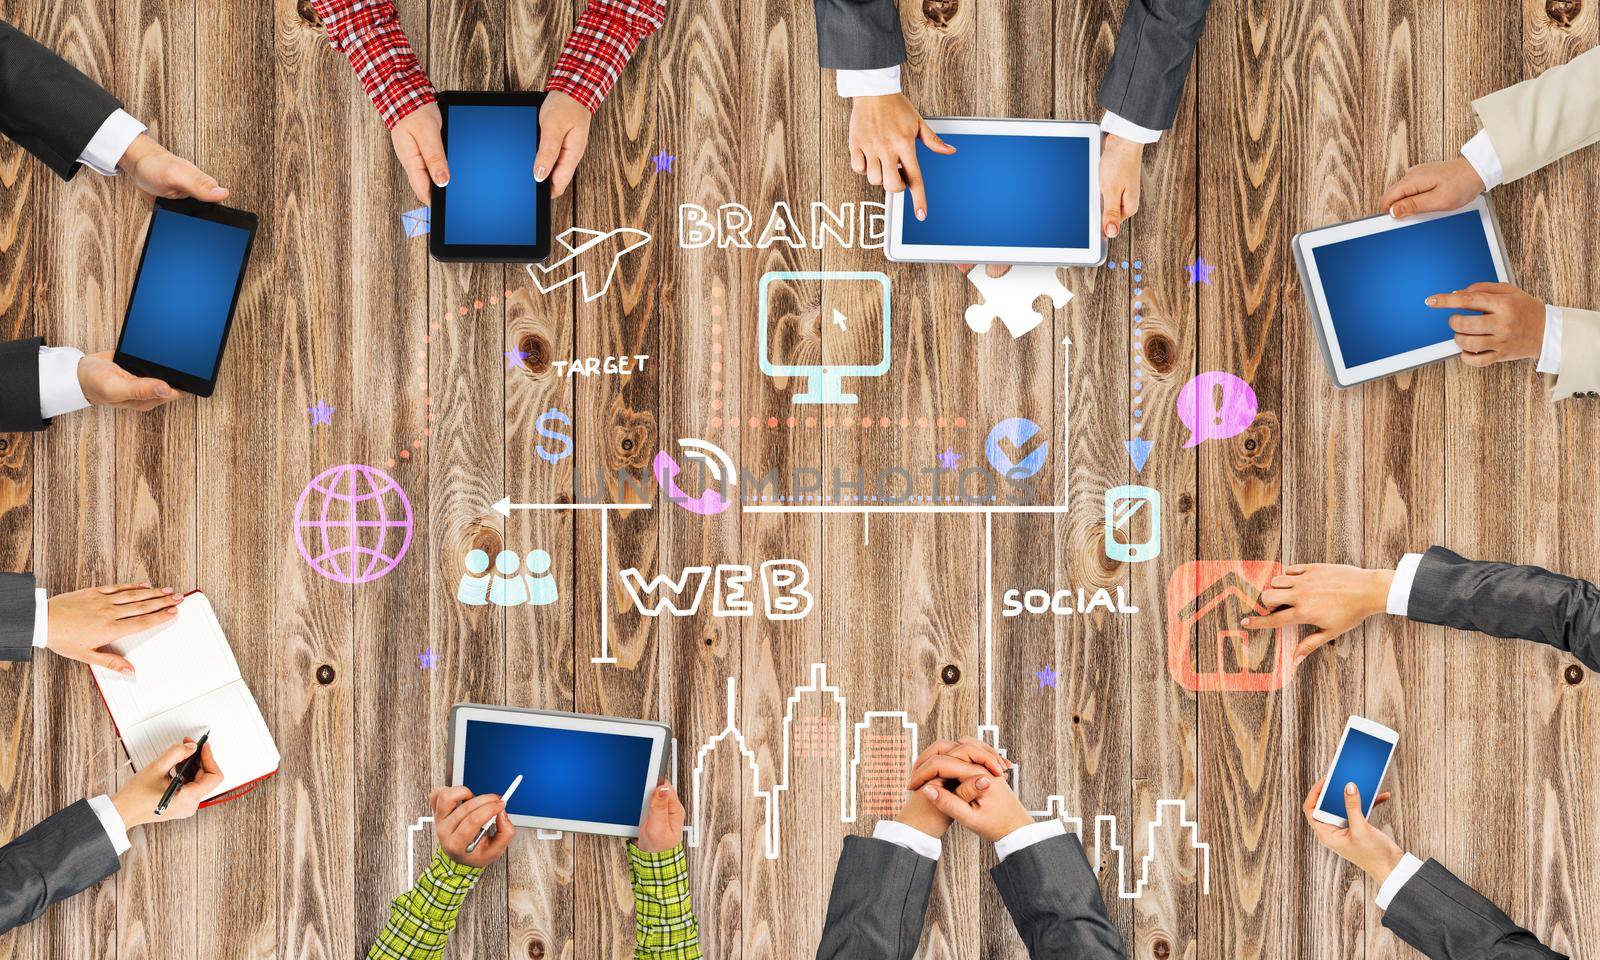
<point>1296,115</point>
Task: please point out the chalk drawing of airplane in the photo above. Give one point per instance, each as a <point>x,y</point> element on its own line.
<point>579,242</point>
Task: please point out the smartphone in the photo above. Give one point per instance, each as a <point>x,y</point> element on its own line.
<point>1123,507</point>
<point>1362,759</point>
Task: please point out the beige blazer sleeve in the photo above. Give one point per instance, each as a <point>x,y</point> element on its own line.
<point>1580,355</point>
<point>1539,121</point>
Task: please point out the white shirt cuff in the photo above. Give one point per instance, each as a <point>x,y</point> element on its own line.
<point>1028,836</point>
<point>59,389</point>
<point>868,83</point>
<point>1550,353</point>
<point>1400,588</point>
<point>902,835</point>
<point>1403,871</point>
<point>1127,129</point>
<point>110,142</point>
<point>1480,152</point>
<point>41,613</point>
<point>112,821</point>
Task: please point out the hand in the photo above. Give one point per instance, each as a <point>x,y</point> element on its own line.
<point>1332,597</point>
<point>992,269</point>
<point>107,385</point>
<point>662,828</point>
<point>83,621</point>
<point>158,172</point>
<point>992,814</point>
<point>1511,326</point>
<point>420,150</point>
<point>1360,843</point>
<point>1120,162</point>
<point>457,818</point>
<point>946,759</point>
<point>563,138</point>
<point>883,145</point>
<point>136,802</point>
<point>1430,187</point>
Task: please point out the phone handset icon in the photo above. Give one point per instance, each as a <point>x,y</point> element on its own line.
<point>710,503</point>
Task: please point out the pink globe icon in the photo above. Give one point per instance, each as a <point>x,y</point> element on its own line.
<point>352,523</point>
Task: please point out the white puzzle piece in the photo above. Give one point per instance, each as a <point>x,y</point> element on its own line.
<point>1010,298</point>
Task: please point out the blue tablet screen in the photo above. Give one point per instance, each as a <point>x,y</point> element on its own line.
<point>566,774</point>
<point>1004,191</point>
<point>1375,285</point>
<point>492,197</point>
<point>184,292</point>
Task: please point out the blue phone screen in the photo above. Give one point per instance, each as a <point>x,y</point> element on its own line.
<point>492,197</point>
<point>566,774</point>
<point>1360,762</point>
<point>184,292</point>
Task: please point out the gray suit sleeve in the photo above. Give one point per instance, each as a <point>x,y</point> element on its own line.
<point>1444,918</point>
<point>1145,79</point>
<point>878,904</point>
<point>17,607</point>
<point>859,34</point>
<point>65,854</point>
<point>46,104</point>
<point>19,386</point>
<point>1054,900</point>
<point>1504,600</point>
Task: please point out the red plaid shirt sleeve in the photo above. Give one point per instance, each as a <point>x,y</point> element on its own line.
<point>607,34</point>
<point>368,33</point>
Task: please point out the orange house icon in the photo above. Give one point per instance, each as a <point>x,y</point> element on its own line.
<point>1205,600</point>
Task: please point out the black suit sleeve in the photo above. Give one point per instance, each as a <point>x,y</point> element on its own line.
<point>1055,902</point>
<point>65,854</point>
<point>1145,78</point>
<point>19,386</point>
<point>878,904</point>
<point>1504,600</point>
<point>859,34</point>
<point>1444,918</point>
<point>17,607</point>
<point>46,105</point>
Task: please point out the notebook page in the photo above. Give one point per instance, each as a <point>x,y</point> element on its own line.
<point>173,663</point>
<point>240,740</point>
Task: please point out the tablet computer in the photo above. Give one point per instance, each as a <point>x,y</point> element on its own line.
<point>1015,191</point>
<point>184,293</point>
<point>581,773</point>
<point>1366,282</point>
<point>492,210</point>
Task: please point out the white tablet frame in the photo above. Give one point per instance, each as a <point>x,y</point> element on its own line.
<point>1305,244</point>
<point>524,717</point>
<point>1093,255</point>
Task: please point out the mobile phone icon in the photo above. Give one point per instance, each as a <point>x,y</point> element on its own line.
<point>1123,507</point>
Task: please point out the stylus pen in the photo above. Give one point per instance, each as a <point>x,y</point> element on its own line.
<point>506,798</point>
<point>185,773</point>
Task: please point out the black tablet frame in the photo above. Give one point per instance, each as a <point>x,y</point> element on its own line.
<point>216,213</point>
<point>439,212</point>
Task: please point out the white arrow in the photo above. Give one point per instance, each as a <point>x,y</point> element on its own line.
<point>504,506</point>
<point>1066,423</point>
<point>838,320</point>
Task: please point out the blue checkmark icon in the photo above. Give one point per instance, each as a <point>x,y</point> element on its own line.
<point>1004,448</point>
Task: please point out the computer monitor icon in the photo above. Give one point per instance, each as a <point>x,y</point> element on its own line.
<point>824,378</point>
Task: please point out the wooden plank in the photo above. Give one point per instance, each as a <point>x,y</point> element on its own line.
<point>240,549</point>
<point>1402,48</point>
<point>1329,435</point>
<point>155,504</point>
<point>1562,710</point>
<point>540,642</point>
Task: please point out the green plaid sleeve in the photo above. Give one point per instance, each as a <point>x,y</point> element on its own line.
<point>420,920</point>
<point>665,928</point>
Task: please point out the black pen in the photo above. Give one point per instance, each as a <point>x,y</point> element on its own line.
<point>184,775</point>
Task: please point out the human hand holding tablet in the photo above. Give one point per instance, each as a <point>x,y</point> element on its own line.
<point>493,209</point>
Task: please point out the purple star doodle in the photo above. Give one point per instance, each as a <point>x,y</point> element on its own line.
<point>663,162</point>
<point>514,357</point>
<point>1200,271</point>
<point>321,413</point>
<point>1047,678</point>
<point>429,659</point>
<point>947,460</point>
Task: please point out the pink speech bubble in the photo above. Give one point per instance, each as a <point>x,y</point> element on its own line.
<point>1215,406</point>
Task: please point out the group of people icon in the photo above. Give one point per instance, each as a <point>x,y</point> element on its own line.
<point>507,587</point>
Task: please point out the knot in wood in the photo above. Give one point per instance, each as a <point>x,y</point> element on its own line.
<point>950,674</point>
<point>536,352</point>
<point>325,674</point>
<point>939,13</point>
<point>1159,352</point>
<point>1562,13</point>
<point>1160,948</point>
<point>1573,674</point>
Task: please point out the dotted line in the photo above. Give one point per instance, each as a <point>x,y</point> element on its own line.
<point>421,370</point>
<point>1138,343</point>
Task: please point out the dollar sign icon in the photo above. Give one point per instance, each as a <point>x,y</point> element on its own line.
<point>541,425</point>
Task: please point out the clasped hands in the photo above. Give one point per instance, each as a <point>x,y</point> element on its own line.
<point>962,781</point>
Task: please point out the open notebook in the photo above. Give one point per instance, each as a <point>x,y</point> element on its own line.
<point>187,682</point>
